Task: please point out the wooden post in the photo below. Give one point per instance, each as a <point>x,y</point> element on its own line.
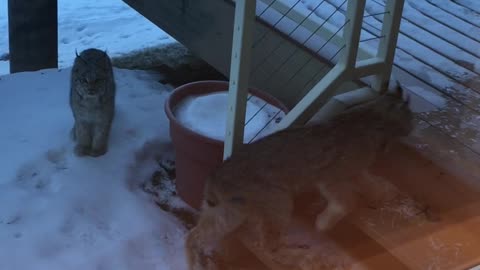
<point>387,46</point>
<point>351,34</point>
<point>309,104</point>
<point>239,74</point>
<point>33,35</point>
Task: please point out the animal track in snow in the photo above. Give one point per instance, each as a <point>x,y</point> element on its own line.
<point>81,28</point>
<point>38,173</point>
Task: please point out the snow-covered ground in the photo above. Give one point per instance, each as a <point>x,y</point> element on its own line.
<point>59,211</point>
<point>103,24</point>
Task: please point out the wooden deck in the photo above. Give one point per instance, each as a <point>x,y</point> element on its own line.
<point>435,224</point>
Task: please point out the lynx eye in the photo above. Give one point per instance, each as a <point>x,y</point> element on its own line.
<point>211,203</point>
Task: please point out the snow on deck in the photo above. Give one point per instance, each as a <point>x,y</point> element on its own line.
<point>437,57</point>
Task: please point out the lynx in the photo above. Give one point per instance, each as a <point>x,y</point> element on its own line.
<point>253,191</point>
<point>92,100</point>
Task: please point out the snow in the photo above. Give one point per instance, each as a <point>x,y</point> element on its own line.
<point>437,44</point>
<point>60,211</point>
<point>207,115</point>
<point>434,99</point>
<point>105,24</point>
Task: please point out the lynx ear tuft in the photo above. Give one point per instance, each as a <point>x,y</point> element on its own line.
<point>406,102</point>
<point>76,53</point>
<point>399,90</point>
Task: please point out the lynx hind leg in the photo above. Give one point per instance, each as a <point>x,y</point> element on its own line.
<point>100,139</point>
<point>276,215</point>
<point>83,136</point>
<point>341,200</point>
<point>215,223</point>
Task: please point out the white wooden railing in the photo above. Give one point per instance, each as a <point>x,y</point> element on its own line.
<point>355,62</point>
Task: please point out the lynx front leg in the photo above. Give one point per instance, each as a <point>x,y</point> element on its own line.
<point>340,198</point>
<point>214,225</point>
<point>274,220</point>
<point>83,135</point>
<point>100,139</point>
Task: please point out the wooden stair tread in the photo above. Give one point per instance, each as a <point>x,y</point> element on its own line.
<point>402,235</point>
<point>345,247</point>
<point>447,236</point>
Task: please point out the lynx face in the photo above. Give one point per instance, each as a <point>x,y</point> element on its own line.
<point>93,68</point>
<point>390,110</point>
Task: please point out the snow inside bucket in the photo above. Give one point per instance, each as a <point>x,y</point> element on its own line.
<point>207,115</point>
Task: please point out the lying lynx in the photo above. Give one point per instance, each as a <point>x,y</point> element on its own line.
<point>92,100</point>
<point>253,191</point>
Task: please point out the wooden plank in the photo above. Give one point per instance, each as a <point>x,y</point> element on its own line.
<point>33,34</point>
<point>351,34</point>
<point>436,70</point>
<point>449,116</point>
<point>309,104</point>
<point>434,223</point>
<point>239,75</point>
<point>386,49</point>
<point>345,247</point>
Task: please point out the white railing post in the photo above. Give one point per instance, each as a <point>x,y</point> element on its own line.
<point>386,49</point>
<point>239,74</point>
<point>351,34</point>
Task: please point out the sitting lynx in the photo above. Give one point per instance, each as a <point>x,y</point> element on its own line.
<point>92,100</point>
<point>253,191</point>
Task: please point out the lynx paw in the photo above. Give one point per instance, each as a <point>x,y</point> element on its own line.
<point>322,224</point>
<point>98,152</point>
<point>330,217</point>
<point>81,150</point>
<point>205,262</point>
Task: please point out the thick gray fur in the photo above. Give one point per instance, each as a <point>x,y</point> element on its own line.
<point>92,100</point>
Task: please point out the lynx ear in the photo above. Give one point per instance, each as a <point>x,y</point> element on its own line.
<point>398,89</point>
<point>76,53</point>
<point>402,94</point>
<point>406,102</point>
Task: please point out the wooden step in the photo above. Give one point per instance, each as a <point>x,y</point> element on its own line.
<point>436,225</point>
<point>345,247</point>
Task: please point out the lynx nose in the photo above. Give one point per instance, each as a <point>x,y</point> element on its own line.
<point>91,92</point>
